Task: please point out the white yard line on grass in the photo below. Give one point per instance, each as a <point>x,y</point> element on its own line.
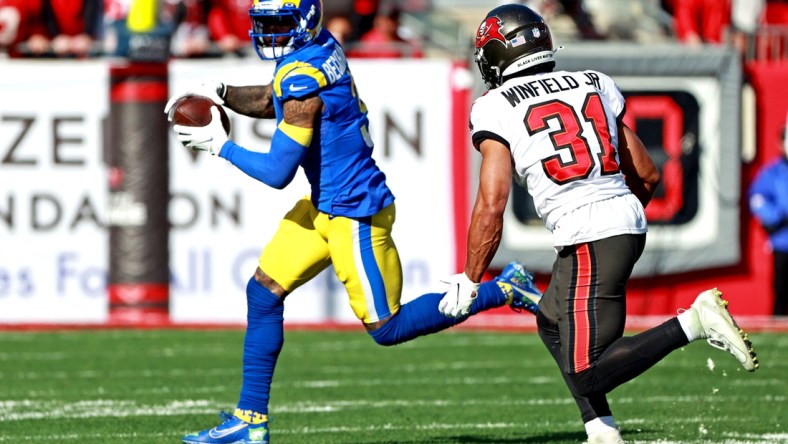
<point>48,410</point>
<point>17,410</point>
<point>731,439</point>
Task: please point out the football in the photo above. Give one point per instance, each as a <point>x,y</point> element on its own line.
<point>194,110</point>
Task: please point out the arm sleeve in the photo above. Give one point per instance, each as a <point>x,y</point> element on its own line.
<point>611,94</point>
<point>276,168</point>
<point>485,124</point>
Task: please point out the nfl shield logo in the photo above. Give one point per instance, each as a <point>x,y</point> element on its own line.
<point>536,32</point>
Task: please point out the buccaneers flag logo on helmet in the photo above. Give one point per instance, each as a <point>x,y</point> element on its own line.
<point>490,29</point>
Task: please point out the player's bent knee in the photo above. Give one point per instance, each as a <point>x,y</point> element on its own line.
<point>584,382</point>
<point>384,340</point>
<point>385,333</point>
<point>269,283</point>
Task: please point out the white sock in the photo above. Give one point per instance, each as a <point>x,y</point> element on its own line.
<point>690,323</point>
<point>601,424</point>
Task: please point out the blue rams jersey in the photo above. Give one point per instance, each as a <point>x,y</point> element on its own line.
<point>344,178</point>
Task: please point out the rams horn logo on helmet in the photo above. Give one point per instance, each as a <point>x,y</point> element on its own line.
<point>490,29</point>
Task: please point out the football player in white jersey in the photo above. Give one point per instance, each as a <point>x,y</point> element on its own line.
<point>562,135</point>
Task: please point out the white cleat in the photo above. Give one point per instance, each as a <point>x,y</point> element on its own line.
<point>721,331</point>
<point>606,437</point>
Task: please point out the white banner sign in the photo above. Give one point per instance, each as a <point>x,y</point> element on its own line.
<point>53,182</point>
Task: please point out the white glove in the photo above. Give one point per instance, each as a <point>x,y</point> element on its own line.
<point>213,89</point>
<point>208,138</point>
<point>457,301</point>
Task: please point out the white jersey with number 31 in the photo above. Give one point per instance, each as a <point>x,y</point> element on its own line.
<point>562,131</point>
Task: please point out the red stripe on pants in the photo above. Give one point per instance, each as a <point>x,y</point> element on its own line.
<point>580,313</point>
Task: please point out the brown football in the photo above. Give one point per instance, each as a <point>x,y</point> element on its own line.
<point>194,110</point>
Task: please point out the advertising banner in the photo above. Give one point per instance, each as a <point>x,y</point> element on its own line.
<point>54,182</point>
<point>53,241</point>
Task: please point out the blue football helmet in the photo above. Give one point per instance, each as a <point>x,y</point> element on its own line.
<point>280,27</point>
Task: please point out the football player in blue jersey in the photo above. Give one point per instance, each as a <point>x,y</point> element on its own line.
<point>345,222</point>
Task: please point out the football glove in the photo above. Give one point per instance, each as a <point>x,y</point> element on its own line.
<point>457,301</point>
<point>213,89</point>
<point>210,137</point>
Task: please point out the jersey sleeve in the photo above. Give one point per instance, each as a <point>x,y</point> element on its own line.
<point>484,124</point>
<point>611,94</point>
<point>298,79</point>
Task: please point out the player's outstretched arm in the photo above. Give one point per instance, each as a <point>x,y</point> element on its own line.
<point>484,233</point>
<point>641,173</point>
<point>486,228</point>
<point>292,138</point>
<point>253,101</point>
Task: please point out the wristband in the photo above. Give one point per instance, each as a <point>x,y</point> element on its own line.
<point>221,90</point>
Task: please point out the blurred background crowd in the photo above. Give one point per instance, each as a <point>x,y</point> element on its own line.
<point>376,28</point>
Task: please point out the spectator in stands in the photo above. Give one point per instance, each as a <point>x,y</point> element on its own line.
<point>115,29</point>
<point>383,40</point>
<point>190,38</point>
<point>61,28</point>
<point>698,22</point>
<point>769,203</point>
<point>577,12</point>
<point>737,22</point>
<point>228,23</point>
<point>643,21</point>
<point>74,26</point>
<point>332,8</point>
<point>143,29</point>
<point>773,45</point>
<point>574,9</point>
<point>416,6</point>
<point>22,30</point>
<point>340,27</point>
<point>364,12</point>
<point>746,16</point>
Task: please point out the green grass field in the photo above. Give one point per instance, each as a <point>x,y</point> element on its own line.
<point>339,387</point>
